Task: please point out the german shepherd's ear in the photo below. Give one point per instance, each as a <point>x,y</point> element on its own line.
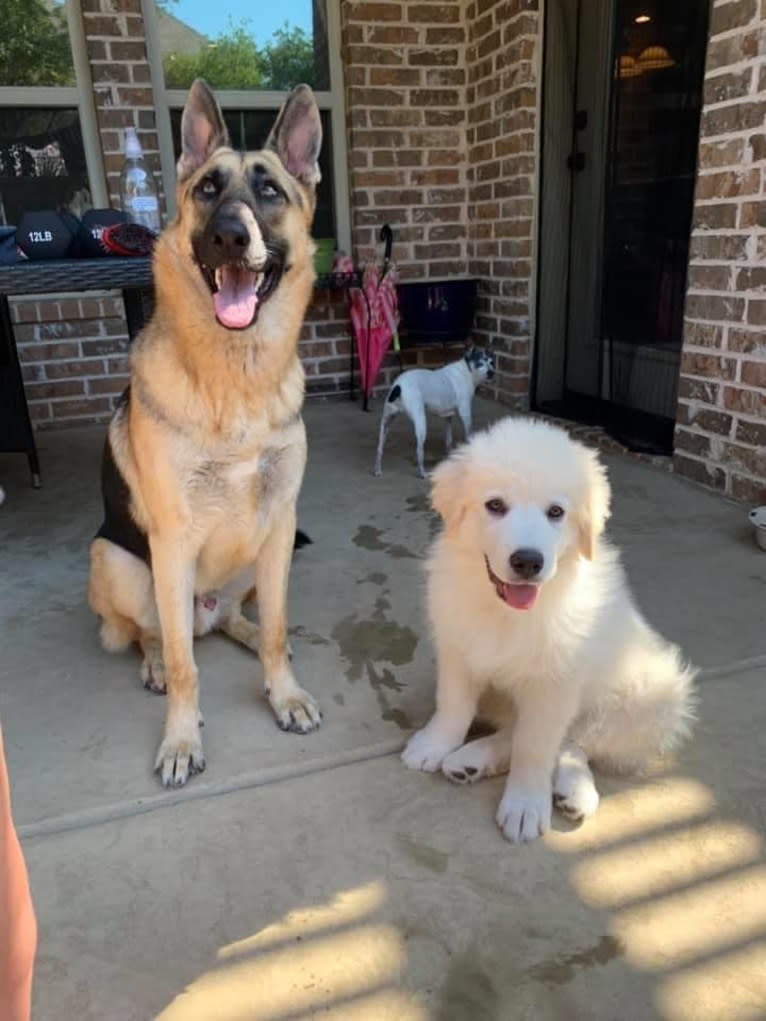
<point>448,490</point>
<point>202,129</point>
<point>297,136</point>
<point>593,516</point>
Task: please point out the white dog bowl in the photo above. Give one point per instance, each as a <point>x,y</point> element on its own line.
<point>758,519</point>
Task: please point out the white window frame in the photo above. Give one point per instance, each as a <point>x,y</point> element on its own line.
<point>79,96</point>
<point>331,100</point>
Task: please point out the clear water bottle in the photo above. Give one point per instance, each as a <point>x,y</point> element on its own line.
<point>138,191</point>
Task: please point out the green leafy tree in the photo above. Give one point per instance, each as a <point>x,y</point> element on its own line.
<point>289,58</point>
<point>234,61</point>
<point>34,44</point>
<point>231,61</point>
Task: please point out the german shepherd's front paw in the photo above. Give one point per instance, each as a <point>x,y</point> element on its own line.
<point>180,757</point>
<point>296,711</point>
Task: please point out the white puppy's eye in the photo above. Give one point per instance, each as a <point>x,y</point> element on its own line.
<point>555,512</point>
<point>497,506</point>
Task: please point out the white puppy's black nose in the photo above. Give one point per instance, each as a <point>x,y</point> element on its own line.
<point>527,563</point>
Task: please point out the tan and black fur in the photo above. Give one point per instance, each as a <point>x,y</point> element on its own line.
<point>205,454</point>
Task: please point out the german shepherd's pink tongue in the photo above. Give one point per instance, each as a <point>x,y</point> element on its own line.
<point>235,301</point>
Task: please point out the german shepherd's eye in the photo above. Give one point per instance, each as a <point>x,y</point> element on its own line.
<point>268,190</point>
<point>208,187</point>
<point>497,508</point>
<point>555,512</point>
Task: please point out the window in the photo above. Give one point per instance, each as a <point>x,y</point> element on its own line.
<point>44,158</point>
<point>251,55</point>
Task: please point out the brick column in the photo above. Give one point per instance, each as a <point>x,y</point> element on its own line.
<point>721,425</point>
<point>503,59</point>
<point>405,93</point>
<point>116,45</point>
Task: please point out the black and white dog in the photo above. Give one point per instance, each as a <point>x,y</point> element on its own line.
<point>443,391</point>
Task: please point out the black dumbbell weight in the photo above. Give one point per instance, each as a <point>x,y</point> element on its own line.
<point>46,234</point>
<point>92,229</point>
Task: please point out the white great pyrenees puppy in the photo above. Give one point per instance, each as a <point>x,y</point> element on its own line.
<point>536,631</point>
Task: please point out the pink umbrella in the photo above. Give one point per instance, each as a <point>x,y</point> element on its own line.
<point>374,314</point>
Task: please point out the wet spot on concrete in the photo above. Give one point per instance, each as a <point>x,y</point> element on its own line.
<point>397,716</point>
<point>418,503</point>
<point>423,854</point>
<point>469,992</point>
<point>369,538</point>
<point>366,644</point>
<point>338,699</point>
<point>421,504</point>
<point>379,682</point>
<point>369,640</point>
<point>563,968</point>
<point>374,578</point>
<point>308,636</point>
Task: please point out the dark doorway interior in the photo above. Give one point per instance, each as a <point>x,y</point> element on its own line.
<point>621,106</point>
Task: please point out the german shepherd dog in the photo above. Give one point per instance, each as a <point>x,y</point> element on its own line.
<point>206,451</point>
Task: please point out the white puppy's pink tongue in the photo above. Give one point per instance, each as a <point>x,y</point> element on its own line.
<point>235,301</point>
<point>520,597</point>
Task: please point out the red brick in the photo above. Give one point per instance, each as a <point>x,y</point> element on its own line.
<point>723,87</point>
<point>699,471</point>
<point>745,340</point>
<point>753,433</point>
<point>748,401</point>
<point>738,13</point>
<point>729,183</point>
<point>374,12</point>
<point>748,490</point>
<point>754,374</point>
<point>715,307</point>
<point>429,14</point>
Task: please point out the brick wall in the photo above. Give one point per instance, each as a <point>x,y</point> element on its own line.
<point>119,68</point>
<point>504,40</point>
<point>73,354</point>
<point>721,430</point>
<point>405,84</point>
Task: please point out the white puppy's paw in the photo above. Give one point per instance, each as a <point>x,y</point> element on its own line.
<point>426,750</point>
<point>524,813</point>
<point>574,794</point>
<point>486,756</point>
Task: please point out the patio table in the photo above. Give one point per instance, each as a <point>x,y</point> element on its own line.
<point>132,276</point>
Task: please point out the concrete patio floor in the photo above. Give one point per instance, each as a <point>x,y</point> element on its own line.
<point>314,876</point>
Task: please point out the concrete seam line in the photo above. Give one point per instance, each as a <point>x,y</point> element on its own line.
<point>271,774</point>
<point>201,790</point>
<point>737,666</point>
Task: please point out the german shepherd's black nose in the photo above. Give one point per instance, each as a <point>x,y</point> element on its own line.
<point>230,238</point>
<point>527,563</point>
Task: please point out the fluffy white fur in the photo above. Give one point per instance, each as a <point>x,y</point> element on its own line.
<point>579,677</point>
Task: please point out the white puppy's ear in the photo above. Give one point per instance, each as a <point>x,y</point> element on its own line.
<point>593,515</point>
<point>448,491</point>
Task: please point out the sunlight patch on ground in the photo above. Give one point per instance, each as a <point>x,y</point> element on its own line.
<point>630,813</point>
<point>731,987</point>
<point>333,959</point>
<point>349,907</point>
<point>659,865</point>
<point>713,915</point>
<point>685,893</point>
